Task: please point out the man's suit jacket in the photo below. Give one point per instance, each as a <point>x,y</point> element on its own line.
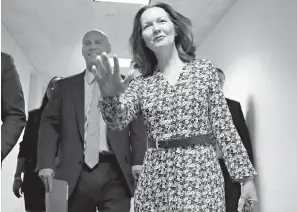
<point>232,189</point>
<point>12,105</point>
<point>28,145</point>
<point>62,127</point>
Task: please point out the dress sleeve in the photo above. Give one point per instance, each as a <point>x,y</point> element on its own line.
<point>119,111</point>
<point>235,156</point>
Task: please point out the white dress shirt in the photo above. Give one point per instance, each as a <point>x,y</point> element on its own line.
<point>91,84</point>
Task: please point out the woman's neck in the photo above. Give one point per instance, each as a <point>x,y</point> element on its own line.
<point>168,58</point>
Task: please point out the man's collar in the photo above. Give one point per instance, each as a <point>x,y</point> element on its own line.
<point>89,76</point>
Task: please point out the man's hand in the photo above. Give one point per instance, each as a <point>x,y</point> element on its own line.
<point>47,176</point>
<point>17,187</point>
<point>136,171</point>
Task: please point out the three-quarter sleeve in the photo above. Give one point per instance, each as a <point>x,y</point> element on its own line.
<point>119,111</point>
<point>235,156</point>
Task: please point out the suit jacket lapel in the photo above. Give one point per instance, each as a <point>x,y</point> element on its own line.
<point>79,102</point>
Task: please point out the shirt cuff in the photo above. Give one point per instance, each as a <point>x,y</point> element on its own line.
<point>136,167</point>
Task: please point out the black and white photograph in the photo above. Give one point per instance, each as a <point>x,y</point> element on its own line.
<point>148,106</point>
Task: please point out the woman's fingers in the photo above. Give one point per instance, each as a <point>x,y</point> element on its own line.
<point>116,66</point>
<point>128,78</point>
<point>100,66</point>
<point>241,203</point>
<point>97,74</point>
<point>106,64</point>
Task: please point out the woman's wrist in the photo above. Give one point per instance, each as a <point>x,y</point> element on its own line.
<point>245,181</point>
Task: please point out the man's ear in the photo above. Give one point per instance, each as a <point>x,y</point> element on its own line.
<point>108,48</point>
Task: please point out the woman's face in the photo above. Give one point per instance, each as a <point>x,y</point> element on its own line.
<point>51,87</point>
<point>157,28</point>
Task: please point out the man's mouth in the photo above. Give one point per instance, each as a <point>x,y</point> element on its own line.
<point>94,54</point>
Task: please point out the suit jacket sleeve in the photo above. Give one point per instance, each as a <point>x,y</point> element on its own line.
<point>13,106</point>
<point>49,131</point>
<point>243,131</point>
<point>25,144</point>
<point>138,140</point>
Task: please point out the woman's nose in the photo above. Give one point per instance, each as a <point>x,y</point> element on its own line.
<point>156,29</point>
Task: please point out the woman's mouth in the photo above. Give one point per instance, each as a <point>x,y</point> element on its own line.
<point>159,38</point>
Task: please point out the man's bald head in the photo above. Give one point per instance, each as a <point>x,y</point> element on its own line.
<point>94,43</point>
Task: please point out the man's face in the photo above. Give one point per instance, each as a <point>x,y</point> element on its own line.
<point>94,43</point>
<point>222,79</point>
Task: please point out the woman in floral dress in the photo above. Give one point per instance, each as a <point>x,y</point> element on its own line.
<point>179,97</point>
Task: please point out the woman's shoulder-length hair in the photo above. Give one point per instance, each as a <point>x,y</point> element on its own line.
<point>143,58</point>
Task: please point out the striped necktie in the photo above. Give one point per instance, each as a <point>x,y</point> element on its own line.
<point>93,133</point>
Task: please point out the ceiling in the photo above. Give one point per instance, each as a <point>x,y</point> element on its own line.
<point>50,32</point>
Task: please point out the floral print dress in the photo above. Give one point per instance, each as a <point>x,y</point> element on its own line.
<point>182,178</point>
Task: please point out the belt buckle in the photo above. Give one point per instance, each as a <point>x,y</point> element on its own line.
<point>157,144</point>
<point>166,144</point>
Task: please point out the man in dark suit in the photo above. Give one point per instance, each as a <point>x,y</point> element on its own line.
<point>98,164</point>
<point>232,189</point>
<point>12,105</point>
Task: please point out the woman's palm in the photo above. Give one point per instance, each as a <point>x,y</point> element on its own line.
<point>108,78</point>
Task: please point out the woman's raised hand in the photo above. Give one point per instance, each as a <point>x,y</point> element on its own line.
<point>109,79</point>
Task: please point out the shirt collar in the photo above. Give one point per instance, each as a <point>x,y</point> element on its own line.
<point>89,76</point>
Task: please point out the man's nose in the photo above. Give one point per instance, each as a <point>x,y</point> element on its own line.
<point>94,47</point>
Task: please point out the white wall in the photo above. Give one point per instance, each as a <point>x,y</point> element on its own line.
<point>255,45</point>
<point>31,82</point>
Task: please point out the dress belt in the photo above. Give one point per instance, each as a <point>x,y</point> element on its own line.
<point>183,142</point>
